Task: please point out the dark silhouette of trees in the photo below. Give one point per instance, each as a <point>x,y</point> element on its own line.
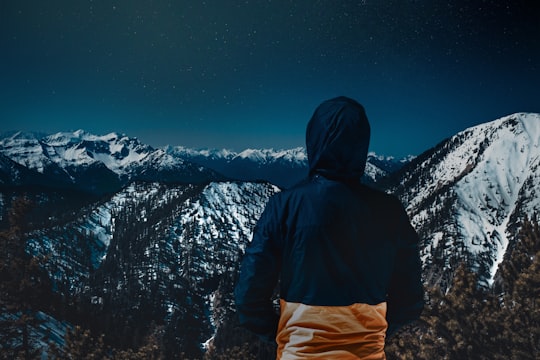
<point>474,322</point>
<point>25,288</point>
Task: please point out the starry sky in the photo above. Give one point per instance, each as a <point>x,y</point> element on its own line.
<point>248,74</point>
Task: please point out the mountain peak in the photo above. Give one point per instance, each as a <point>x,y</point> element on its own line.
<point>467,196</point>
<point>81,159</point>
<point>295,155</point>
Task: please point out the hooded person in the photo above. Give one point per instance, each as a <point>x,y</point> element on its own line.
<point>345,256</point>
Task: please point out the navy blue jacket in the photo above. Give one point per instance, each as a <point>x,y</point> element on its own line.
<point>330,240</point>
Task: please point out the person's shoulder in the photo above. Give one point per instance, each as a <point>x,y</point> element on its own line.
<point>301,186</point>
<point>286,193</point>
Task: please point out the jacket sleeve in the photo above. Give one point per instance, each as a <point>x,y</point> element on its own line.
<point>405,294</point>
<point>259,273</point>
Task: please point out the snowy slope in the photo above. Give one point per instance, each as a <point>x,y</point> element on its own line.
<point>166,242</point>
<point>177,246</point>
<point>467,196</point>
<point>97,163</point>
<point>78,248</point>
<point>73,149</point>
<point>295,156</point>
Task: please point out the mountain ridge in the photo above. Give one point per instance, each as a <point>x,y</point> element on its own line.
<point>469,192</point>
<point>74,158</point>
<point>283,167</point>
<point>78,159</point>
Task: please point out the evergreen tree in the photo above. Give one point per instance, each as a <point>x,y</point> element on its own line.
<point>520,276</point>
<point>471,322</point>
<point>450,325</point>
<point>525,314</point>
<point>25,287</point>
<point>518,257</point>
<point>81,345</point>
<point>183,335</point>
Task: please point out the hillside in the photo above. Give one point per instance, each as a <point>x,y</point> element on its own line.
<point>466,196</point>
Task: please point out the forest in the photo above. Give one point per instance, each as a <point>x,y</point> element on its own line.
<point>467,321</point>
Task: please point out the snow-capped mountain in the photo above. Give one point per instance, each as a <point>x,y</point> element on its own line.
<point>166,242</point>
<point>187,215</point>
<point>284,168</point>
<point>466,196</point>
<point>103,164</point>
<point>98,164</point>
<point>281,167</point>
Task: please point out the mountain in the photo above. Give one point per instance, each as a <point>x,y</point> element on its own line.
<point>98,164</point>
<point>466,196</point>
<point>284,168</point>
<point>103,164</point>
<point>165,254</point>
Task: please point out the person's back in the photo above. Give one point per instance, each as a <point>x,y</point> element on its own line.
<point>346,255</point>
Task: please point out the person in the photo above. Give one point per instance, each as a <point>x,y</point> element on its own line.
<point>345,256</point>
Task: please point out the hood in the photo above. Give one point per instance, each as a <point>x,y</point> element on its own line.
<point>337,139</point>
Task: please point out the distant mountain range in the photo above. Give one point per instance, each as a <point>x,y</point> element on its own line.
<point>104,164</point>
<point>170,225</point>
<point>280,167</point>
<point>97,164</point>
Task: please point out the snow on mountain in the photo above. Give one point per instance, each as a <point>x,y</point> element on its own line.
<point>467,196</point>
<point>296,156</point>
<point>168,241</point>
<point>25,149</point>
<point>47,331</point>
<point>78,247</point>
<point>103,164</point>
<point>79,148</point>
<point>262,156</point>
<point>284,168</point>
<point>214,227</point>
<point>79,158</point>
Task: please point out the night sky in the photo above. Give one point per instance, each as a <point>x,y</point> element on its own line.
<point>248,74</point>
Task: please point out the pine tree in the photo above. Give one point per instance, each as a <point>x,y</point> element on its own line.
<point>25,287</point>
<point>470,322</point>
<point>81,345</point>
<point>450,325</point>
<point>525,314</point>
<point>518,257</point>
<point>152,348</point>
<point>184,333</point>
<point>521,299</point>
